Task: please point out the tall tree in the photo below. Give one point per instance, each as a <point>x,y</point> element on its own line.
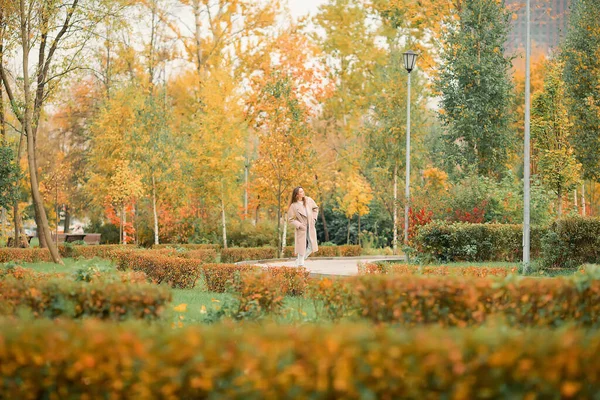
<point>476,90</point>
<point>47,28</point>
<point>550,129</point>
<point>581,54</point>
<point>284,99</point>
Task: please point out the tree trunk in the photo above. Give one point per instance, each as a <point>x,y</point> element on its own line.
<point>198,36</point>
<point>284,239</point>
<point>41,238</point>
<point>257,210</point>
<point>575,200</point>
<point>38,201</point>
<point>123,222</point>
<point>358,238</point>
<point>3,217</point>
<point>154,210</point>
<point>583,210</point>
<point>348,238</point>
<point>67,219</point>
<point>560,202</point>
<point>279,220</point>
<point>224,223</point>
<point>325,230</point>
<point>18,223</point>
<point>395,217</point>
<point>246,189</point>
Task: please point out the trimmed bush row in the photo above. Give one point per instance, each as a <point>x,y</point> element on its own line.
<point>106,300</point>
<point>204,256</point>
<point>571,242</point>
<point>443,270</point>
<point>237,254</point>
<point>444,241</point>
<point>31,255</point>
<point>221,277</point>
<point>188,246</point>
<point>330,251</point>
<point>106,251</point>
<point>458,301</point>
<point>65,359</point>
<point>176,272</point>
<point>291,281</point>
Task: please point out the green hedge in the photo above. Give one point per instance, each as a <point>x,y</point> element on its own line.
<point>68,360</point>
<point>571,242</point>
<point>449,242</point>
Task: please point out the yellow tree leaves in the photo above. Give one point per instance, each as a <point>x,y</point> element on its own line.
<point>124,185</point>
<point>357,196</point>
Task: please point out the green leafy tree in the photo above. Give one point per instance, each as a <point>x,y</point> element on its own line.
<point>476,90</point>
<point>581,54</point>
<point>550,128</point>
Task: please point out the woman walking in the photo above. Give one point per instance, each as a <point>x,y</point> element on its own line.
<point>302,213</point>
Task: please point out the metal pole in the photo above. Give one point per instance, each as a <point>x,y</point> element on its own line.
<point>527,161</point>
<point>407,187</point>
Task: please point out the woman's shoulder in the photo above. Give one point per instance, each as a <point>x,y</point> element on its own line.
<point>310,200</point>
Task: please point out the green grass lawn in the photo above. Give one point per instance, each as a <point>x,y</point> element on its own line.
<point>71,265</point>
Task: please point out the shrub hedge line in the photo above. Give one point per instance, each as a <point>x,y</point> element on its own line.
<point>31,255</point>
<point>204,256</point>
<point>571,242</point>
<point>59,297</point>
<point>236,254</point>
<point>459,301</point>
<point>444,241</point>
<point>176,272</point>
<point>440,270</point>
<point>66,359</point>
<point>106,251</point>
<point>330,251</point>
<point>188,246</point>
<point>221,277</point>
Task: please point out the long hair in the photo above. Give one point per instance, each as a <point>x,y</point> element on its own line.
<point>295,194</point>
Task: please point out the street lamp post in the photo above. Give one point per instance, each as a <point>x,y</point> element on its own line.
<point>410,59</point>
<point>526,147</point>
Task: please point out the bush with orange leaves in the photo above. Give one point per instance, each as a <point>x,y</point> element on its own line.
<point>291,280</point>
<point>106,251</point>
<point>258,294</point>
<point>441,270</point>
<point>177,272</point>
<point>220,277</point>
<point>8,254</point>
<point>63,298</point>
<point>188,246</point>
<point>237,254</point>
<point>205,256</point>
<point>460,301</point>
<point>65,359</point>
<point>330,251</point>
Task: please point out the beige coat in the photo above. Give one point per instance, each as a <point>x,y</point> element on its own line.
<point>299,218</point>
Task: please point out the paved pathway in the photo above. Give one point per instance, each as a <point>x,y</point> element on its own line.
<point>331,266</point>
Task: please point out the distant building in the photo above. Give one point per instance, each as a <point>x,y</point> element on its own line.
<point>548,24</point>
